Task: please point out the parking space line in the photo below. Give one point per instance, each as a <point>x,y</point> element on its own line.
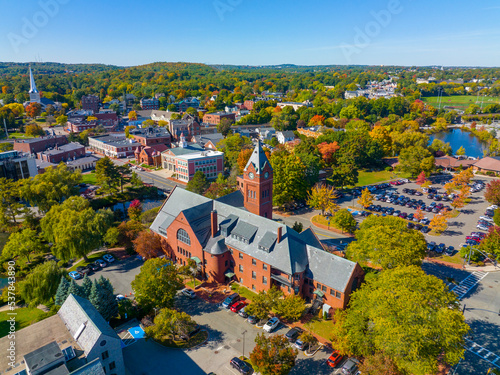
<point>473,348</point>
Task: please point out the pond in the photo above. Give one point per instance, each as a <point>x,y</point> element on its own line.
<point>3,283</point>
<point>458,137</point>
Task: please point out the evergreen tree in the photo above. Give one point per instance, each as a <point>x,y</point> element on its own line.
<point>75,289</point>
<point>96,297</point>
<point>62,291</point>
<point>109,303</point>
<point>87,286</point>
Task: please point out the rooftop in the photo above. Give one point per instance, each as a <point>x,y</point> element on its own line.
<point>45,355</point>
<point>114,140</point>
<point>201,155</point>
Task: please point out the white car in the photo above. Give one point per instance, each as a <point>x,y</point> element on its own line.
<point>492,207</point>
<point>486,218</point>
<point>271,324</point>
<point>108,258</point>
<point>188,293</point>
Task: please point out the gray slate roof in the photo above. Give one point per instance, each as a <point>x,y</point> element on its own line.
<point>91,368</point>
<point>77,311</point>
<point>44,356</point>
<point>258,159</point>
<point>294,253</point>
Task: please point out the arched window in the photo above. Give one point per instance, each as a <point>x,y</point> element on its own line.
<point>183,236</point>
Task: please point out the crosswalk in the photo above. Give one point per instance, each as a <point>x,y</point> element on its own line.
<point>482,352</point>
<point>468,283</point>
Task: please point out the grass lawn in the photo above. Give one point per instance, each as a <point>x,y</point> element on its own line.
<point>243,292</point>
<point>92,258</point>
<point>89,178</point>
<point>18,135</point>
<point>369,178</point>
<point>457,259</point>
<point>25,317</point>
<point>320,327</point>
<point>461,101</point>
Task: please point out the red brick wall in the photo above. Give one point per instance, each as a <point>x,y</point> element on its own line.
<point>248,267</point>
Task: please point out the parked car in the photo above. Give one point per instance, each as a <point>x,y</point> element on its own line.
<point>252,319</point>
<point>75,275</point>
<point>94,267</point>
<point>240,365</point>
<point>83,270</point>
<point>425,221</point>
<point>450,250</point>
<point>482,227</point>
<point>478,234</point>
<point>230,300</point>
<point>334,359</point>
<point>188,293</point>
<point>293,334</point>
<point>108,258</point>
<point>410,225</point>
<point>242,313</point>
<point>299,344</point>
<point>486,218</point>
<point>237,306</point>
<point>440,248</point>
<point>474,238</point>
<point>425,229</point>
<point>472,243</point>
<point>271,324</point>
<point>101,263</point>
<point>350,367</point>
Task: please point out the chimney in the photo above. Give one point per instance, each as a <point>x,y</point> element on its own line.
<point>279,234</point>
<point>213,220</point>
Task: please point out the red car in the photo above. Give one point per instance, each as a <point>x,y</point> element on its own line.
<point>474,238</point>
<point>237,306</point>
<point>334,359</point>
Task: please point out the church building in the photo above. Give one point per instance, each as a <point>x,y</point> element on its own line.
<point>235,238</point>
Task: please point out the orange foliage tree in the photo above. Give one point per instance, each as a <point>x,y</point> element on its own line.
<point>148,244</point>
<point>243,157</point>
<point>328,150</point>
<point>33,109</point>
<point>317,120</point>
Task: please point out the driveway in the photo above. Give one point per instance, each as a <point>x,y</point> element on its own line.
<point>120,273</point>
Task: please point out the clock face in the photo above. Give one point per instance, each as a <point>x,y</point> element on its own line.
<point>251,175</point>
<point>266,175</point>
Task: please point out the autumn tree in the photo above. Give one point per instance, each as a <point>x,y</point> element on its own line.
<point>243,158</point>
<point>157,284</point>
<point>388,243</point>
<point>34,130</point>
<point>419,214</point>
<point>308,339</point>
<point>421,178</point>
<point>135,210</point>
<point>463,178</point>
<point>61,120</point>
<point>491,243</point>
<point>327,151</point>
<point>23,244</point>
<point>458,202</point>
<point>148,244</point>
<point>379,364</point>
<point>224,127</point>
<point>317,120</point>
<point>33,110</point>
<point>132,115</point>
<point>322,197</point>
<point>273,355</point>
<point>409,316</point>
<point>438,223</point>
<point>460,151</point>
<point>128,129</point>
<point>290,308</point>
<point>366,198</point>
<point>128,232</point>
<point>492,192</point>
<point>51,187</point>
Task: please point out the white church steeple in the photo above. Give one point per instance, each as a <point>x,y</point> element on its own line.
<point>34,94</point>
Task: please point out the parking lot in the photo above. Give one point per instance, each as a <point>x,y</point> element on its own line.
<point>458,227</point>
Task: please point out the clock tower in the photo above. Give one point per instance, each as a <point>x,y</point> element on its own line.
<point>257,184</point>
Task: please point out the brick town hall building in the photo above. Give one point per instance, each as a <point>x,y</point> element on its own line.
<point>235,238</point>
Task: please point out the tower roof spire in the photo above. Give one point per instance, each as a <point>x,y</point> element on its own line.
<point>32,83</point>
<point>258,159</point>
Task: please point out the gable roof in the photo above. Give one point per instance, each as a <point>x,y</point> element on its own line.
<point>491,163</point>
<point>258,159</point>
<point>84,322</point>
<point>256,236</point>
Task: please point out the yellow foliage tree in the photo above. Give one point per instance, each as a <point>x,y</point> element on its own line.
<point>438,223</point>
<point>322,197</point>
<point>366,198</point>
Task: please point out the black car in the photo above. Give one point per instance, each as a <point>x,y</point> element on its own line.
<point>418,226</point>
<point>94,267</point>
<point>293,334</point>
<point>83,270</point>
<point>430,196</point>
<point>239,365</point>
<point>410,225</point>
<point>425,229</point>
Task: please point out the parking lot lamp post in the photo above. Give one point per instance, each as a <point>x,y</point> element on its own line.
<point>243,333</point>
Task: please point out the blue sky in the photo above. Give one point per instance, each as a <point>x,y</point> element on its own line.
<point>253,32</point>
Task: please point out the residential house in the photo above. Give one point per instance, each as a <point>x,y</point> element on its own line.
<point>285,136</point>
<point>188,126</point>
<point>266,133</point>
<point>150,155</point>
<point>215,118</point>
<point>157,115</point>
<point>208,141</point>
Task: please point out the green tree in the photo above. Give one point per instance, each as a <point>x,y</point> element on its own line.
<point>170,323</point>
<point>290,308</point>
<point>491,244</point>
<point>5,146</point>
<point>298,227</point>
<point>23,244</point>
<point>414,160</point>
<point>322,197</point>
<point>496,217</point>
<point>51,187</point>
<point>231,146</point>
<point>108,306</point>
<point>409,316</point>
<point>112,235</point>
<point>107,175</point>
<point>224,127</point>
<point>62,120</point>
<point>289,182</point>
<point>198,183</point>
<point>387,242</point>
<point>135,180</point>
<point>345,174</point>
<point>273,355</point>
<point>87,286</point>
<point>309,339</point>
<point>156,285</point>
<point>460,151</point>
<point>344,220</point>
<point>97,297</point>
<point>75,228</point>
<point>75,289</point>
<point>259,307</point>
<point>40,285</point>
<point>62,291</point>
